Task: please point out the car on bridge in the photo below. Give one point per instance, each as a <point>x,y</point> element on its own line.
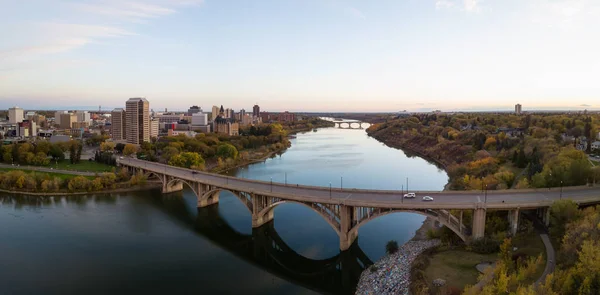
<point>410,195</point>
<point>427,198</point>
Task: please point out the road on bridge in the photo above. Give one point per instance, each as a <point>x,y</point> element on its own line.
<point>505,199</point>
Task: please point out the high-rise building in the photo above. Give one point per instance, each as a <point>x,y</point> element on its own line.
<point>118,125</point>
<point>215,112</point>
<point>256,111</point>
<point>518,109</point>
<point>83,116</point>
<point>242,114</point>
<point>193,110</point>
<point>66,120</point>
<point>57,117</point>
<point>199,119</point>
<point>15,115</point>
<point>137,114</point>
<point>154,128</point>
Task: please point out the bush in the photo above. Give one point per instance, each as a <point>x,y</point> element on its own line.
<point>373,268</point>
<point>391,247</point>
<point>485,246</point>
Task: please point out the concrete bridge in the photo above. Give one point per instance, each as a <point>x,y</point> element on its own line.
<point>346,124</point>
<point>346,210</point>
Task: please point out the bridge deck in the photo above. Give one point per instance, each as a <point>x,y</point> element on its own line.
<point>506,199</point>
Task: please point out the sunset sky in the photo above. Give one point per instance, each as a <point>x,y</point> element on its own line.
<point>301,55</point>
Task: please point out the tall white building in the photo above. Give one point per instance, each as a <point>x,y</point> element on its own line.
<point>154,128</point>
<point>215,112</point>
<point>83,116</point>
<point>137,114</point>
<point>15,115</point>
<point>199,119</point>
<point>518,109</point>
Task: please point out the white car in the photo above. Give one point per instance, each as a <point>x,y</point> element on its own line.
<point>410,195</point>
<point>427,198</point>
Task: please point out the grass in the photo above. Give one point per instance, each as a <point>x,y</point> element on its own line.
<point>83,165</point>
<point>59,175</point>
<point>457,267</point>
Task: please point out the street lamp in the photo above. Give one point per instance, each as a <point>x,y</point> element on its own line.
<point>561,183</point>
<point>407,184</point>
<point>485,194</point>
<point>341,182</point>
<point>285,178</point>
<point>271,184</point>
<point>330,190</point>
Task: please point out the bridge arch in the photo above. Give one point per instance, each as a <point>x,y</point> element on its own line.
<point>244,197</point>
<point>328,217</point>
<point>435,215</point>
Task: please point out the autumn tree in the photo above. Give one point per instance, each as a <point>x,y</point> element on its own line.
<point>129,149</point>
<point>187,160</point>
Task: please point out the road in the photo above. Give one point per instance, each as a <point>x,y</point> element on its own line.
<point>45,169</point>
<point>506,199</point>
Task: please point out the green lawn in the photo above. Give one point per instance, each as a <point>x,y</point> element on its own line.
<point>457,267</point>
<point>59,175</point>
<point>83,165</point>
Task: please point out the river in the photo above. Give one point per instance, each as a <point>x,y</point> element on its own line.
<point>146,242</point>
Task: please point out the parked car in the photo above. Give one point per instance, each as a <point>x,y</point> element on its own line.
<point>427,198</point>
<point>410,195</point>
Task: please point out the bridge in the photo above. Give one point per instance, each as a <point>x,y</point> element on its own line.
<point>350,124</point>
<point>346,210</point>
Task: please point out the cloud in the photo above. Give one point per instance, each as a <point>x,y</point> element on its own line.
<point>467,5</point>
<point>565,14</point>
<point>355,12</point>
<point>585,105</point>
<point>132,11</point>
<point>444,4</point>
<point>471,5</point>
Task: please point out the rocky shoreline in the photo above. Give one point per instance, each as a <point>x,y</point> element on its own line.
<point>391,274</point>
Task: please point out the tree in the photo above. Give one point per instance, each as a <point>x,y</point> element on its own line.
<point>226,150</point>
<point>129,149</point>
<point>562,212</point>
<point>107,146</point>
<point>391,247</point>
<point>72,153</point>
<point>42,146</point>
<point>56,153</point>
<point>187,160</point>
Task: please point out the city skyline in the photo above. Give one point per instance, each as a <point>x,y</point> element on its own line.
<point>309,56</point>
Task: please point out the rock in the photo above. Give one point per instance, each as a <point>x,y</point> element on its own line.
<point>439,282</point>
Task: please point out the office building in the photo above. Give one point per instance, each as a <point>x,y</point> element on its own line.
<point>57,117</point>
<point>83,116</point>
<point>15,115</point>
<point>118,126</point>
<point>154,128</point>
<point>66,120</point>
<point>255,111</point>
<point>194,110</point>
<point>199,119</point>
<point>80,125</point>
<point>137,120</point>
<point>518,109</point>
<point>215,113</point>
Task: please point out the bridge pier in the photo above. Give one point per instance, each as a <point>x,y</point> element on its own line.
<point>478,223</point>
<point>347,236</point>
<point>170,186</point>
<point>513,221</point>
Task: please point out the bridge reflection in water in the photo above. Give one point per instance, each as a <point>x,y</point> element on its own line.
<point>266,249</point>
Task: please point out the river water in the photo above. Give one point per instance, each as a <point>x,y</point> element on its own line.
<point>146,242</point>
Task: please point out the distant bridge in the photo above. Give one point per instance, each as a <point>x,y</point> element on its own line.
<point>346,210</point>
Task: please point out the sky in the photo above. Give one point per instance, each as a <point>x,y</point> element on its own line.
<point>301,55</point>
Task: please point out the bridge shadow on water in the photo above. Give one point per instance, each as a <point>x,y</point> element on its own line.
<point>266,249</point>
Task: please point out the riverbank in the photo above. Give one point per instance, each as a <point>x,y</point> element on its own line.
<point>391,274</point>
<point>147,186</point>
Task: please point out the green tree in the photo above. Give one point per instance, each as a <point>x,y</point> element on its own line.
<point>187,160</point>
<point>56,152</point>
<point>42,146</point>
<point>562,212</point>
<point>226,150</point>
<point>391,247</point>
<point>129,149</point>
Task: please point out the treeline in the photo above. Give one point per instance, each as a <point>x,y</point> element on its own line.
<point>492,151</point>
<point>49,183</point>
<point>40,153</point>
<point>578,260</point>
